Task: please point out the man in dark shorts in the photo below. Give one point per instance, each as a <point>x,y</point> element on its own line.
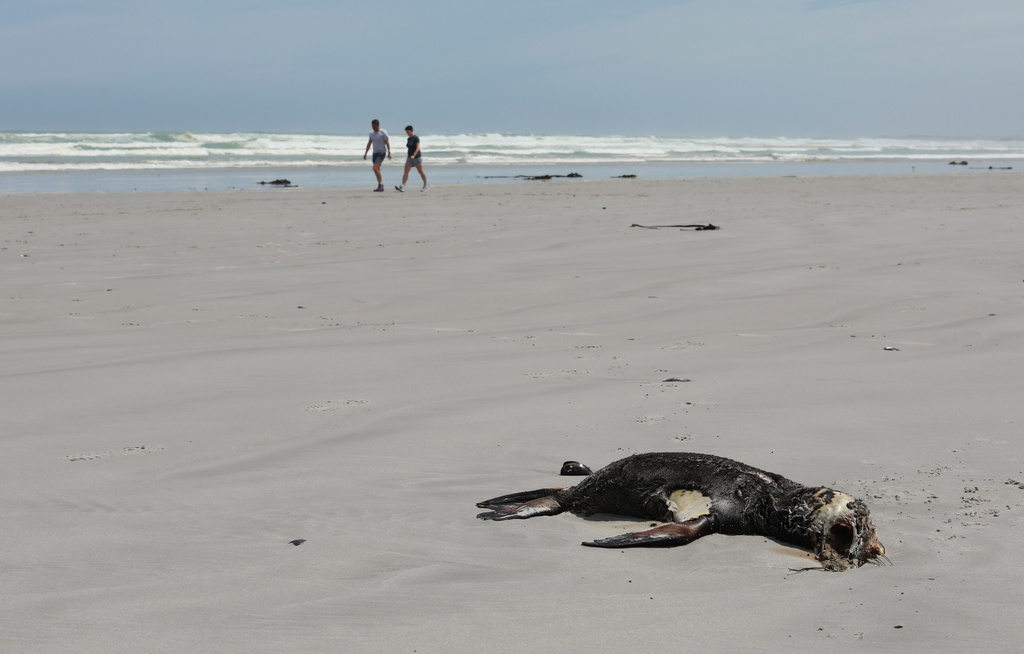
<point>381,146</point>
<point>415,158</point>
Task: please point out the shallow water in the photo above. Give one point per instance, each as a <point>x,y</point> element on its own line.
<point>223,179</point>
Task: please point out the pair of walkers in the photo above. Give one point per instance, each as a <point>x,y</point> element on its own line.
<point>382,147</point>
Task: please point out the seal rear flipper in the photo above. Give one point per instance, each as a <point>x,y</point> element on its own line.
<point>540,506</point>
<point>515,499</point>
<point>670,535</point>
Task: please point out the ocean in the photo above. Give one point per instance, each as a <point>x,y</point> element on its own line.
<point>126,162</point>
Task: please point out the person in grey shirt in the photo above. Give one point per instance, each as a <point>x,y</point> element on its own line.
<point>381,146</point>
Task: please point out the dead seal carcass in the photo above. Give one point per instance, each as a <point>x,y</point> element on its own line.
<point>701,494</point>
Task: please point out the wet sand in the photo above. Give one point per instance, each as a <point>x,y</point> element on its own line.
<point>191,381</point>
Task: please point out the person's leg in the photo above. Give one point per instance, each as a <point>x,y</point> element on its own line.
<point>376,171</point>
<point>419,167</point>
<point>405,177</point>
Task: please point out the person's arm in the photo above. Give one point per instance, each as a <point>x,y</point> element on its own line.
<point>369,142</point>
<point>387,144</point>
<point>416,152</point>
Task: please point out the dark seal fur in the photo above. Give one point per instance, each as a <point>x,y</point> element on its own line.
<point>701,494</point>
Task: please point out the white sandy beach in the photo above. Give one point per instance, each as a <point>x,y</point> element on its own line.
<point>191,381</point>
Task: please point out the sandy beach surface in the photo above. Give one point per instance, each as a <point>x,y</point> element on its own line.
<point>192,381</point>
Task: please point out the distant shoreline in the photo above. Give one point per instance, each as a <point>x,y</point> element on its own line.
<point>249,178</point>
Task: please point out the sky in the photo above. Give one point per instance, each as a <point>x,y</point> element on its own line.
<point>696,68</point>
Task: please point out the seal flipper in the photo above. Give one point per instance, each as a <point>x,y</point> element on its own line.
<point>515,499</point>
<point>544,505</point>
<point>670,535</point>
<point>575,469</point>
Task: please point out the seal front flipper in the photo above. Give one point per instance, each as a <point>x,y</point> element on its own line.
<point>540,506</point>
<point>670,535</point>
<point>575,469</point>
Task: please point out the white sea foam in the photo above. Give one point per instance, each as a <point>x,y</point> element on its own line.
<point>42,152</point>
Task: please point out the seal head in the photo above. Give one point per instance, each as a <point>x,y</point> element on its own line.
<point>845,536</point>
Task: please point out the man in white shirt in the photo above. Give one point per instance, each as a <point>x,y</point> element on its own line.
<point>381,146</point>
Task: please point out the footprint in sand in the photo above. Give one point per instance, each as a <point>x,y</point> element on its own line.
<point>560,373</point>
<point>650,418</point>
<point>124,451</point>
<point>336,405</point>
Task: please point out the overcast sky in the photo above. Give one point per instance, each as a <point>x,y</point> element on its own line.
<point>814,68</point>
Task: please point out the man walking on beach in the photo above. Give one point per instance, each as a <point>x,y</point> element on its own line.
<point>381,146</point>
<point>415,158</point>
